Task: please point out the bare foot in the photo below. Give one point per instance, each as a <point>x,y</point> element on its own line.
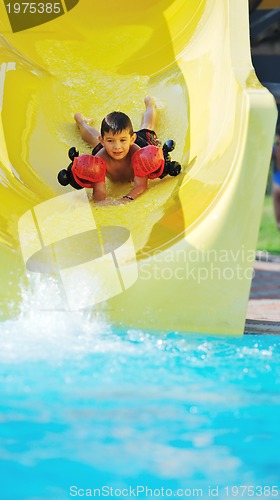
<point>149,102</point>
<point>81,120</point>
<point>150,114</point>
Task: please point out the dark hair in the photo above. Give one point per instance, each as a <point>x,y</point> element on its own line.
<point>116,122</point>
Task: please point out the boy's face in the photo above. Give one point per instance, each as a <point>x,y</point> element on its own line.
<point>117,145</point>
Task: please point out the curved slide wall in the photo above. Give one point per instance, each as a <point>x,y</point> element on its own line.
<point>181,256</point>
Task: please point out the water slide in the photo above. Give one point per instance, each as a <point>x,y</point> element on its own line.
<point>180,257</point>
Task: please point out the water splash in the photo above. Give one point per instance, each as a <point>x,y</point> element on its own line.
<point>85,403</point>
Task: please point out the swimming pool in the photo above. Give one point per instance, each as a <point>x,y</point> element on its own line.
<point>85,406</point>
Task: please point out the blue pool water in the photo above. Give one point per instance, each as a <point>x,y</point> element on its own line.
<point>85,406</point>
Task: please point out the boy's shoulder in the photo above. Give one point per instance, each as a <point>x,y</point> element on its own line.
<point>101,154</point>
<point>133,148</point>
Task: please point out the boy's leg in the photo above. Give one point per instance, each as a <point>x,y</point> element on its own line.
<point>149,117</point>
<point>88,133</point>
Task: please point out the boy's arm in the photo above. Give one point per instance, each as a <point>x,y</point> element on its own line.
<point>140,186</point>
<point>99,191</point>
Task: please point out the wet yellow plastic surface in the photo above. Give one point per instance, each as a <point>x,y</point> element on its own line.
<point>194,59</point>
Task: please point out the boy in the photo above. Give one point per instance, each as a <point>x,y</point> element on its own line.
<point>117,143</point>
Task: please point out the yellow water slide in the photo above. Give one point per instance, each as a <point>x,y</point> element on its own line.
<point>180,257</point>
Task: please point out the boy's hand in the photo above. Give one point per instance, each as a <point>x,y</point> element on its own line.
<point>121,201</point>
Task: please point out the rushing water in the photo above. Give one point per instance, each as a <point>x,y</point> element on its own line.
<point>86,406</point>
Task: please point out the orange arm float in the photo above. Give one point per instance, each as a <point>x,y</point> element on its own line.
<point>148,162</point>
<point>88,169</point>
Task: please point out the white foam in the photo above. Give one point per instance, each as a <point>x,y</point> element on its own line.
<point>45,330</point>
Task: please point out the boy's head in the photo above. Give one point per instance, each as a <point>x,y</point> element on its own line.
<point>116,122</point>
<point>117,134</point>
